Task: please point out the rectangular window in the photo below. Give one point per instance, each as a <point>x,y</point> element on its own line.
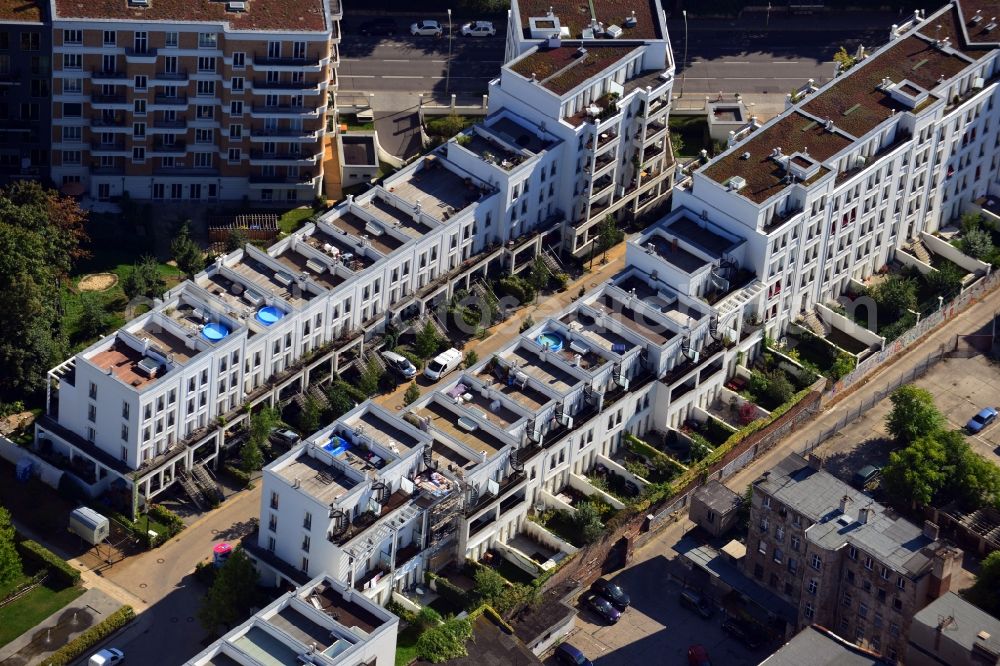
<point>170,40</point>
<point>208,40</point>
<point>140,41</point>
<point>72,61</point>
<point>817,563</point>
<point>139,130</point>
<point>203,136</point>
<point>239,60</point>
<point>92,413</point>
<point>236,108</point>
<point>813,586</point>
<point>234,155</point>
<point>72,134</point>
<point>305,565</point>
<point>71,157</point>
<point>30,41</point>
<point>307,521</point>
<point>139,107</point>
<point>206,64</point>
<point>236,132</point>
<point>272,523</point>
<point>125,410</point>
<point>274,500</point>
<point>72,36</point>
<point>236,84</point>
<point>110,38</point>
<point>305,543</point>
<point>204,112</point>
<point>141,82</point>
<point>124,432</point>
<point>206,88</point>
<point>138,155</point>
<point>72,86</point>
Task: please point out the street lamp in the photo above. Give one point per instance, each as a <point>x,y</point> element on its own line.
<point>447,80</point>
<point>684,75</point>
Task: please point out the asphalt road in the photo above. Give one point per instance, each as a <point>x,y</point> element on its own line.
<point>743,56</point>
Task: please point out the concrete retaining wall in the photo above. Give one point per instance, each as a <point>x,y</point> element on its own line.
<point>952,253</point>
<point>842,323</point>
<point>49,474</point>
<point>579,483</point>
<point>907,259</point>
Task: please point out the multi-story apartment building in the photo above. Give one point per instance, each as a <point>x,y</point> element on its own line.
<point>25,82</point>
<point>201,100</point>
<point>828,191</point>
<point>843,560</point>
<point>321,623</point>
<point>601,83</point>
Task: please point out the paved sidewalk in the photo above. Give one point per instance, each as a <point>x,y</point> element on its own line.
<point>90,608</point>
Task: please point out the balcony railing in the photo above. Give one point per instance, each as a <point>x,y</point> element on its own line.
<point>172,148</point>
<point>305,179</point>
<point>285,62</point>
<point>118,76</point>
<point>171,76</point>
<point>282,157</point>
<point>164,100</point>
<point>107,99</point>
<point>285,110</point>
<point>263,84</point>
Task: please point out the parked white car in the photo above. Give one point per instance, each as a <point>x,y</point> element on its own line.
<point>107,657</point>
<point>478,29</point>
<point>426,28</point>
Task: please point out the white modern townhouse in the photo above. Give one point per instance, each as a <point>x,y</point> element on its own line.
<point>320,623</point>
<point>873,162</point>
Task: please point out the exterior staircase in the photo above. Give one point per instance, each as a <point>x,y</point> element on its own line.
<point>550,262</point>
<point>190,489</point>
<point>206,484</point>
<point>812,322</point>
<point>918,250</point>
<point>429,317</point>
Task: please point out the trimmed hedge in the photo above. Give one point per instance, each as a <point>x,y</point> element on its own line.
<point>167,517</point>
<point>45,558</point>
<point>237,474</point>
<point>88,639</point>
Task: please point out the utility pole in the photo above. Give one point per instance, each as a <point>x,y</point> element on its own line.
<point>684,75</point>
<point>447,79</point>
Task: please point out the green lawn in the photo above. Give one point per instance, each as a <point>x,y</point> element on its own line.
<point>406,645</point>
<point>113,248</point>
<point>31,609</point>
<point>693,131</point>
<point>294,219</point>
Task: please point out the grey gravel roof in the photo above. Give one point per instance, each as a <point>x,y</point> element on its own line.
<point>717,497</point>
<point>817,494</point>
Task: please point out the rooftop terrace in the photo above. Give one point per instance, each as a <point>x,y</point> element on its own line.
<point>347,613</point>
<point>230,293</point>
<point>402,220</point>
<point>359,150</point>
<point>331,244</point>
<point>445,421</point>
<point>856,104</point>
<point>547,373</point>
<point>440,192</point>
<point>764,176</point>
<point>359,228</point>
<point>597,334</point>
<point>674,254</point>
<point>512,132</point>
<point>472,400</point>
<point>526,396</point>
<point>123,361</point>
<point>702,237</point>
<point>445,456</point>
<point>326,483</point>
<point>303,16</point>
<point>563,68</point>
<point>382,432</point>
<point>268,280</point>
<point>577,17</point>
<point>297,264</point>
<point>302,628</point>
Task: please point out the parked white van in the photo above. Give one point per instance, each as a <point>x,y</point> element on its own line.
<point>442,364</point>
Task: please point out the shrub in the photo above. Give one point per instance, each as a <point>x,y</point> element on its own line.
<point>88,639</point>
<point>417,362</point>
<point>445,642</point>
<point>238,474</point>
<point>204,573</point>
<point>517,287</point>
<point>166,517</point>
<point>445,126</point>
<point>412,394</point>
<point>46,559</point>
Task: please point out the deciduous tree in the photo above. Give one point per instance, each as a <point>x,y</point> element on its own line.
<point>232,595</point>
<point>10,560</point>
<point>913,414</point>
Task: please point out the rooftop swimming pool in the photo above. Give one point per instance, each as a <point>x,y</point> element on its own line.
<point>268,315</point>
<point>551,341</point>
<point>214,332</point>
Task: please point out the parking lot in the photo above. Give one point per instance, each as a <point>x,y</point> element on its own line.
<point>655,629</point>
<point>960,386</point>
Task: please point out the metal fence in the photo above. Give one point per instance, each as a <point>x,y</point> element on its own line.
<point>955,307</point>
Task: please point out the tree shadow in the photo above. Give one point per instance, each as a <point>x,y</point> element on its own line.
<point>872,451</point>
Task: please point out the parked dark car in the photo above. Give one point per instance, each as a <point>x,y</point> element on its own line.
<point>698,656</point>
<point>865,478</point>
<point>378,26</point>
<point>744,634</point>
<point>694,601</point>
<point>603,607</point>
<point>571,656</point>
<point>612,592</point>
<point>286,436</point>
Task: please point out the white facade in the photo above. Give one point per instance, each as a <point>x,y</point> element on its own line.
<point>832,202</point>
<point>322,623</point>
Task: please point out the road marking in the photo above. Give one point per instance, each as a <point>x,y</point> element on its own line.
<point>400,77</point>
<point>355,76</point>
<point>387,60</point>
<point>736,62</point>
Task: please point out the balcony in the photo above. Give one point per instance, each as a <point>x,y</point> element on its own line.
<point>292,159</point>
<point>601,186</point>
<point>171,102</point>
<point>176,148</point>
<point>103,124</point>
<point>169,77</point>
<point>605,139</point>
<point>166,126</point>
<point>10,77</point>
<point>109,77</point>
<point>146,56</point>
<point>681,369</point>
<point>306,87</point>
<point>263,182</point>
<point>287,110</point>
<point>116,149</point>
<point>298,135</point>
<point>509,484</point>
<point>109,102</point>
<point>602,162</point>
<point>287,64</point>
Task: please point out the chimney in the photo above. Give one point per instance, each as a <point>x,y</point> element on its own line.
<point>815,461</point>
<point>865,514</point>
<point>947,559</point>
<point>844,502</point>
<point>931,530</point>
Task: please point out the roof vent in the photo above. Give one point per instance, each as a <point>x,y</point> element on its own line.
<point>614,31</point>
<point>983,636</point>
<point>580,52</point>
<point>745,156</point>
<point>631,21</point>
<point>992,24</point>
<point>829,125</point>
<point>977,17</point>
<point>138,3</point>
<point>236,6</point>
<point>736,183</point>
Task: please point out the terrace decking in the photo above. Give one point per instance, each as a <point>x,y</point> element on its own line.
<point>444,421</point>
<point>630,319</point>
<point>301,628</point>
<point>445,455</point>
<point>186,317</point>
<point>600,336</point>
<point>395,217</point>
<point>439,192</point>
<point>229,292</point>
<point>347,613</point>
<point>516,135</point>
<point>500,417</point>
<point>382,432</point>
<point>297,263</point>
<point>175,348</point>
<point>701,237</point>
<point>529,363</point>
<point>526,396</point>
<point>354,225</point>
<point>123,361</point>
<point>675,255</point>
<point>319,239</point>
<point>264,277</point>
<point>324,482</point>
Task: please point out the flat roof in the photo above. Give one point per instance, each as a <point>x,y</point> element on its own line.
<point>347,613</point>
<point>633,321</point>
<point>577,16</point>
<point>445,454</point>
<point>675,255</point>
<point>123,361</point>
<point>167,343</point>
<point>502,417</point>
<point>265,648</point>
<point>301,628</point>
<point>358,150</point>
<point>318,238</point>
<point>444,421</point>
<point>978,32</point>
<point>528,397</point>
<point>814,646</point>
<point>529,363</point>
<point>599,335</point>
<point>297,262</point>
<point>324,482</point>
<point>518,135</point>
<point>21,10</point>
<point>264,277</point>
<point>381,431</point>
<point>229,292</point>
<point>764,176</point>
<point>701,237</point>
<point>299,16</point>
<point>440,192</point>
<point>855,102</point>
<point>352,224</point>
<point>402,220</point>
<point>717,497</point>
<point>967,622</point>
<point>563,68</point>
